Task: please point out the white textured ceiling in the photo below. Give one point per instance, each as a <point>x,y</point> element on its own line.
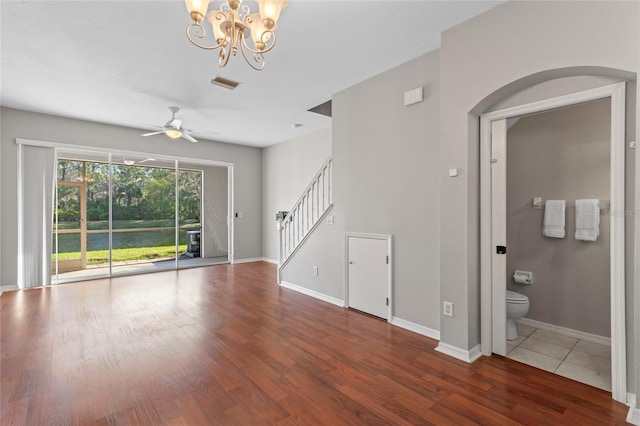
<point>113,61</point>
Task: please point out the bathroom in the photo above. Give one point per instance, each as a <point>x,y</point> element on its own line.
<point>562,154</point>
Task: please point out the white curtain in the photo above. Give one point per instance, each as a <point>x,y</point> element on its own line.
<point>36,183</point>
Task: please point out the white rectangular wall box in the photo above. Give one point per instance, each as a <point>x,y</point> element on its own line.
<point>413,96</point>
<point>447,310</point>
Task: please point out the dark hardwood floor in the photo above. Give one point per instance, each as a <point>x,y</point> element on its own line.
<point>225,345</point>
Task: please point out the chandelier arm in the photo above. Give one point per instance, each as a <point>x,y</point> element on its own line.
<point>243,11</point>
<point>265,50</point>
<point>225,54</point>
<point>199,32</point>
<point>257,56</point>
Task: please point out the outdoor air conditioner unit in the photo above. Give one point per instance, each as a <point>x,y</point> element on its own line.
<point>193,244</point>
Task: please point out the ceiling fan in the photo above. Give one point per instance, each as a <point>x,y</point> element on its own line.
<point>173,128</point>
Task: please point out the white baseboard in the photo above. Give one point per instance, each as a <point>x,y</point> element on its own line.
<point>633,416</point>
<point>461,354</point>
<point>248,260</point>
<point>594,338</point>
<point>8,288</point>
<point>266,259</point>
<point>416,328</point>
<point>312,293</point>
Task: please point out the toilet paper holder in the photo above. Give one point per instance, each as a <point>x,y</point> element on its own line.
<point>523,277</point>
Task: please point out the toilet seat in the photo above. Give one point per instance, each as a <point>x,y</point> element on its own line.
<point>516,298</point>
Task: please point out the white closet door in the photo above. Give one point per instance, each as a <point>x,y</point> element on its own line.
<point>368,275</point>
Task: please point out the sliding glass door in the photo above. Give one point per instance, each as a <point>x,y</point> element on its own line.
<point>80,246</point>
<point>203,204</point>
<point>143,208</point>
<point>131,214</point>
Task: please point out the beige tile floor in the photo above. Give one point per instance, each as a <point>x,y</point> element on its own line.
<point>582,361</point>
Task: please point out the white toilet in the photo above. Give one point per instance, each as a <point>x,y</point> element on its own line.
<point>517,307</point>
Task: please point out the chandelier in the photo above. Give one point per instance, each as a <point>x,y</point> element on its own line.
<point>232,25</point>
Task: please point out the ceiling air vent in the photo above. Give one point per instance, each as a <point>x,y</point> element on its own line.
<point>225,82</point>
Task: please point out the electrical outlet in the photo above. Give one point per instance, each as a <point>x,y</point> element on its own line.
<point>315,270</point>
<point>448,309</point>
<point>330,220</point>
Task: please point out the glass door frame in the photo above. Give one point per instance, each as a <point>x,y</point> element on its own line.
<point>73,264</point>
<point>67,149</point>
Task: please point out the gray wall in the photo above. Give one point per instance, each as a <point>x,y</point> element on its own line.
<point>562,154</point>
<point>21,124</point>
<point>484,60</point>
<point>287,169</point>
<point>385,170</point>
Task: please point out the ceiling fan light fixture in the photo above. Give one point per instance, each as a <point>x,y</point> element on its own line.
<point>172,129</point>
<point>235,28</point>
<point>173,133</point>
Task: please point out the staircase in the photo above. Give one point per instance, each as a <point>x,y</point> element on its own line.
<point>306,214</point>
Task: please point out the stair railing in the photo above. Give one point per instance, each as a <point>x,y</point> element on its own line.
<point>306,214</point>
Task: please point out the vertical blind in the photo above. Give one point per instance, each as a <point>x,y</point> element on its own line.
<point>36,183</point>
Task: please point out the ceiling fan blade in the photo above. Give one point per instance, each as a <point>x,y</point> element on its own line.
<point>146,159</point>
<point>152,133</point>
<point>188,137</point>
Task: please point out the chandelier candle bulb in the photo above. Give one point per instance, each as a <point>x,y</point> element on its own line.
<point>197,9</point>
<point>232,25</point>
<point>270,11</point>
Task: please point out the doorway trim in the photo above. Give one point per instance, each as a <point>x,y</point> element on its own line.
<point>617,253</point>
<point>388,239</point>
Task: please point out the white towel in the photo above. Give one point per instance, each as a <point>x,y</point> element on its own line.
<point>587,220</point>
<point>553,223</point>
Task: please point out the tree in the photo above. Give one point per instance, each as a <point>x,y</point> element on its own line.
<point>159,194</point>
<point>128,183</point>
<point>190,199</point>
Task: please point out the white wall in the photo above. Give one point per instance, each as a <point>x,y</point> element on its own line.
<point>22,124</point>
<point>484,60</point>
<point>385,171</point>
<point>287,169</point>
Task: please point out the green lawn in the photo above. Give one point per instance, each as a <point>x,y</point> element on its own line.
<point>120,255</point>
